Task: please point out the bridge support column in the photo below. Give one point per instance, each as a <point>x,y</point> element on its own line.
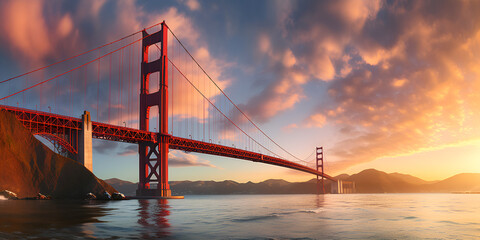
<point>85,142</point>
<point>319,153</point>
<point>153,160</point>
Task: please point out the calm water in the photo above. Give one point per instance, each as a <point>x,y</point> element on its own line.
<point>355,216</point>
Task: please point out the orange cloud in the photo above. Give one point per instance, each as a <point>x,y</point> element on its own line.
<point>182,159</point>
<point>316,120</point>
<point>424,100</point>
<point>193,5</point>
<point>315,50</point>
<point>275,99</point>
<point>290,127</point>
<point>27,32</point>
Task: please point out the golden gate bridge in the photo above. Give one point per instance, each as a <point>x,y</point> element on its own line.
<point>147,75</point>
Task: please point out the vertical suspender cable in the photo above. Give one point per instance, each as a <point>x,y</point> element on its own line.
<point>109,84</point>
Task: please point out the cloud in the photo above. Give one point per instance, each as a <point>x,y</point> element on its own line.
<point>193,5</point>
<point>316,120</point>
<point>65,26</point>
<point>275,98</point>
<point>400,75</point>
<point>131,149</point>
<point>182,159</point>
<point>105,147</point>
<point>32,37</point>
<point>325,30</point>
<point>411,87</point>
<point>290,127</point>
<point>309,47</point>
<point>284,91</point>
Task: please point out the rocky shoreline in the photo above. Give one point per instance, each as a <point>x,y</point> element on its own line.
<point>9,195</point>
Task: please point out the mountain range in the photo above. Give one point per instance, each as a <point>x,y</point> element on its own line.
<point>367,181</point>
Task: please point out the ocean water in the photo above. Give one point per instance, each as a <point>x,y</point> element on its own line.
<point>348,216</point>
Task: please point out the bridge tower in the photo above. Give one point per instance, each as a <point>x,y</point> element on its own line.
<point>319,165</point>
<point>154,155</point>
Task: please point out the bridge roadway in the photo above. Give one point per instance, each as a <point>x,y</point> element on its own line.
<point>50,125</point>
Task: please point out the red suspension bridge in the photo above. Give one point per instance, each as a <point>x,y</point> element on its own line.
<point>188,109</point>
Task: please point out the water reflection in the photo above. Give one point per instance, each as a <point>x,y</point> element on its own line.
<point>153,216</point>
<point>88,230</point>
<point>24,218</point>
<point>320,200</point>
<point>353,216</point>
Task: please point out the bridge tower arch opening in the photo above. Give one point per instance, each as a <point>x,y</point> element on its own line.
<point>153,162</point>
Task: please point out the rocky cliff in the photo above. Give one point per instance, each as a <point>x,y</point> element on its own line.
<point>28,167</point>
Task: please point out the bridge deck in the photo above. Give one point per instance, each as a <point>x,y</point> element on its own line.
<point>43,122</point>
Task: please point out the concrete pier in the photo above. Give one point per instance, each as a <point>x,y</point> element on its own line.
<point>85,142</point>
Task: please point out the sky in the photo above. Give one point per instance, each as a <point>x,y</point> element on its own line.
<point>391,85</point>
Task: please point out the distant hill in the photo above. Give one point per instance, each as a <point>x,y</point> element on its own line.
<point>28,167</point>
<point>409,178</point>
<point>463,182</point>
<point>342,176</point>
<point>125,187</point>
<point>367,181</point>
<point>374,181</point>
